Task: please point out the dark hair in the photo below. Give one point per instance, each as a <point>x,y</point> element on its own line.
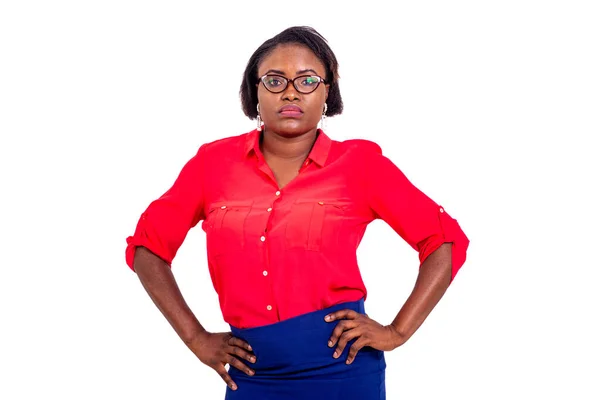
<point>302,35</point>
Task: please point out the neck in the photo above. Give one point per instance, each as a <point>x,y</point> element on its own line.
<point>288,148</point>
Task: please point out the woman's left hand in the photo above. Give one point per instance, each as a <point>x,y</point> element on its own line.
<point>367,331</point>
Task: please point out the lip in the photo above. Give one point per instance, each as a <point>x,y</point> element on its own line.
<point>290,111</point>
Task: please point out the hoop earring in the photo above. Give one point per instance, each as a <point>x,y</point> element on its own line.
<point>324,117</point>
<point>258,120</point>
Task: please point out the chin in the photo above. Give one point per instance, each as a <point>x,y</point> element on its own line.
<point>292,128</point>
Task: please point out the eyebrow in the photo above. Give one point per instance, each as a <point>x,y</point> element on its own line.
<point>302,71</point>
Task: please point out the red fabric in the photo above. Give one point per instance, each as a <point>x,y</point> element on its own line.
<point>275,254</point>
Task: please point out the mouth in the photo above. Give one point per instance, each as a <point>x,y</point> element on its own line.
<point>291,111</point>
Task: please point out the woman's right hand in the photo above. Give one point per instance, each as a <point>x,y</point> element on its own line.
<point>218,349</point>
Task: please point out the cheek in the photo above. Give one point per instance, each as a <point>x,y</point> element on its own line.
<point>260,98</point>
<point>316,108</point>
<point>320,101</point>
<point>267,103</point>
<point>262,95</point>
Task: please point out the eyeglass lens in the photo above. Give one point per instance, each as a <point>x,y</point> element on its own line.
<point>303,84</point>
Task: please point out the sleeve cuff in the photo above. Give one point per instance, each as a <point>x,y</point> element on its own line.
<point>130,251</point>
<point>450,232</point>
<point>141,238</point>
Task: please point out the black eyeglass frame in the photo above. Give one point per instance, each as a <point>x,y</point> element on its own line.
<point>287,82</point>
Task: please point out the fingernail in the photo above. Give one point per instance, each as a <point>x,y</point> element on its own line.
<point>348,361</point>
<point>335,354</point>
<point>249,347</point>
<point>234,387</point>
<point>253,359</point>
<point>330,343</point>
<point>327,318</point>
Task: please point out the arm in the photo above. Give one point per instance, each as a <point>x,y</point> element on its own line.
<point>427,228</point>
<point>160,232</point>
<point>158,280</point>
<point>213,349</point>
<point>432,282</point>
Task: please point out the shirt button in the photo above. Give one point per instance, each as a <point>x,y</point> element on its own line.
<point>265,273</point>
<point>269,307</point>
<point>223,207</point>
<point>441,210</point>
<point>262,238</point>
<point>269,209</point>
<point>277,193</point>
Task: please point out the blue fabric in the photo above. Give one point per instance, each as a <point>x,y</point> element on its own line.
<point>293,361</point>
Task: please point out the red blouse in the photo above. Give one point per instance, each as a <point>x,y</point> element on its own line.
<point>296,246</point>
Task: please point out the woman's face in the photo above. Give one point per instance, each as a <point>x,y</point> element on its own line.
<point>291,61</point>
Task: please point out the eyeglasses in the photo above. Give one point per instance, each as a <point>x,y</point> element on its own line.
<point>304,84</point>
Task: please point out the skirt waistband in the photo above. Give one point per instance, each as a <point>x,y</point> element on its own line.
<point>297,347</point>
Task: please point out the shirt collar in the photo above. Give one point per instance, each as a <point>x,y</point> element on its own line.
<point>318,153</point>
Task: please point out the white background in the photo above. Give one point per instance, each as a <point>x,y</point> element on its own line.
<point>491,108</point>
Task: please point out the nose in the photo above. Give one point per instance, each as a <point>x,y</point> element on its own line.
<point>290,93</point>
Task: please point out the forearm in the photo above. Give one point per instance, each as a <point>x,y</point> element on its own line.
<point>158,280</point>
<point>432,282</point>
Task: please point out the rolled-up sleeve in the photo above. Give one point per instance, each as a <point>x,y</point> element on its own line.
<point>421,222</point>
<point>165,223</point>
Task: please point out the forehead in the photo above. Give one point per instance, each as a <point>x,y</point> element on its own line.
<point>291,58</point>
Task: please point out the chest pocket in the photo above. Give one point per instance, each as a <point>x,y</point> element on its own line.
<point>314,224</point>
<point>225,226</point>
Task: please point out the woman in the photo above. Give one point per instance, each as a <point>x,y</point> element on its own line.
<point>284,208</point>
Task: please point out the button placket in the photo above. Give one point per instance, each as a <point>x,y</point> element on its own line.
<point>263,239</point>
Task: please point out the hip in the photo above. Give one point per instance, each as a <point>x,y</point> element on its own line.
<point>293,356</point>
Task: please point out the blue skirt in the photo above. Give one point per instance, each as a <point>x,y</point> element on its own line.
<point>293,361</point>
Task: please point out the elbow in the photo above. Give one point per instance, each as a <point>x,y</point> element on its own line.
<point>451,237</point>
<point>146,263</point>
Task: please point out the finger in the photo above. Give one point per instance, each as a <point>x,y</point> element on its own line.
<point>241,353</point>
<point>341,314</point>
<point>235,341</point>
<point>237,363</point>
<point>344,339</point>
<point>340,328</point>
<point>223,373</point>
<point>356,346</point>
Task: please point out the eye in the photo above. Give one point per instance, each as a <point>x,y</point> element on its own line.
<point>273,81</point>
<point>309,81</point>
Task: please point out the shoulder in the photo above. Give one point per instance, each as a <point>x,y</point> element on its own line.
<point>361,145</point>
<point>226,143</point>
<point>365,154</point>
<point>224,147</point>
<point>358,148</point>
